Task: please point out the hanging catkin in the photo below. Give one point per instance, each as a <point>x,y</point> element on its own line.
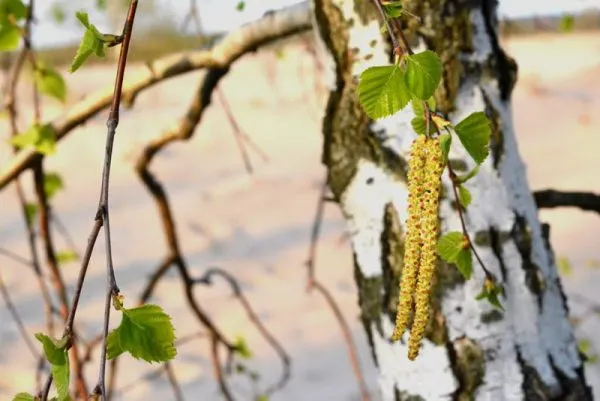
<point>422,225</point>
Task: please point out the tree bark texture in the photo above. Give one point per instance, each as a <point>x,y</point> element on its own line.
<point>472,351</point>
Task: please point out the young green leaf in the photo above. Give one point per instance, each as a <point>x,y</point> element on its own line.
<point>23,397</point>
<point>461,179</point>
<point>16,8</point>
<point>453,248</point>
<point>382,91</point>
<point>423,74</point>
<point>464,196</point>
<point>50,82</point>
<point>240,6</point>
<point>490,291</point>
<point>445,142</point>
<point>241,347</point>
<point>58,13</point>
<point>567,23</point>
<point>420,126</point>
<point>145,332</point>
<point>10,36</point>
<point>64,257</point>
<point>93,42</point>
<point>474,133</point>
<point>564,266</point>
<point>53,183</point>
<point>41,137</point>
<point>30,212</point>
<point>54,352</point>
<point>392,8</point>
<point>60,376</point>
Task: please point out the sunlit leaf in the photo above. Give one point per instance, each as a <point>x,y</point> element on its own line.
<point>145,333</point>
<point>453,247</point>
<point>464,196</point>
<point>40,137</point>
<point>474,133</point>
<point>382,91</point>
<point>50,82</point>
<point>10,37</point>
<point>242,348</point>
<point>423,74</point>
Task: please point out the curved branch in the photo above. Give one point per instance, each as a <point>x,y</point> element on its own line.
<point>550,198</point>
<point>248,38</point>
<point>237,292</point>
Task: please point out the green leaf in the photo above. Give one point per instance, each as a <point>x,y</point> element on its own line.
<point>423,74</point>
<point>567,23</point>
<point>382,91</point>
<point>50,82</point>
<point>464,196</point>
<point>450,245</point>
<point>474,133</point>
<point>101,4</point>
<point>240,6</point>
<point>241,347</point>
<point>461,179</point>
<point>445,142</point>
<point>420,126</point>
<point>54,353</point>
<point>41,137</point>
<point>60,376</point>
<point>262,397</point>
<point>490,291</point>
<point>16,8</point>
<point>10,37</point>
<point>564,266</point>
<point>23,397</point>
<point>454,248</point>
<point>585,347</point>
<point>392,9</point>
<point>93,42</point>
<point>58,13</point>
<point>30,212</point>
<point>464,263</point>
<point>145,332</point>
<point>66,257</point>
<point>53,183</point>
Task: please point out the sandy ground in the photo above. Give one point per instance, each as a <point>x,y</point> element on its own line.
<point>258,227</point>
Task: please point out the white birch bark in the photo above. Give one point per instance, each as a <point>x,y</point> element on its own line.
<point>529,352</point>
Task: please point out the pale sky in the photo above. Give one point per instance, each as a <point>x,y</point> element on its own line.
<point>219,15</point>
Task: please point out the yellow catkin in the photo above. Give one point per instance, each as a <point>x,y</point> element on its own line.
<point>412,242</point>
<point>429,233</point>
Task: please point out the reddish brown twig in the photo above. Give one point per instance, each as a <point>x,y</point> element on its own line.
<point>237,292</point>
<point>313,283</point>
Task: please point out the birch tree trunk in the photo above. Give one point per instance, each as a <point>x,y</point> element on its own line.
<point>472,351</point>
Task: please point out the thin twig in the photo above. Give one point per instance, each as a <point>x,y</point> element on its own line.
<point>271,27</point>
<point>313,283</point>
<point>103,208</point>
<point>17,318</point>
<point>240,135</point>
<point>237,291</point>
<point>173,381</point>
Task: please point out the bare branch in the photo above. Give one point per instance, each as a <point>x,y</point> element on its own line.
<point>237,291</point>
<point>550,198</point>
<point>313,283</point>
<point>271,27</point>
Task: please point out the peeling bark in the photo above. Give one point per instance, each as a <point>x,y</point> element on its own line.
<point>472,352</point>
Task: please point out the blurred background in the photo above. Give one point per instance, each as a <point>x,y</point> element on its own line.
<point>257,225</point>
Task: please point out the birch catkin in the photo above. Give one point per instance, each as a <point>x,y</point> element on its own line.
<point>429,233</point>
<point>412,246</point>
<point>422,225</point>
